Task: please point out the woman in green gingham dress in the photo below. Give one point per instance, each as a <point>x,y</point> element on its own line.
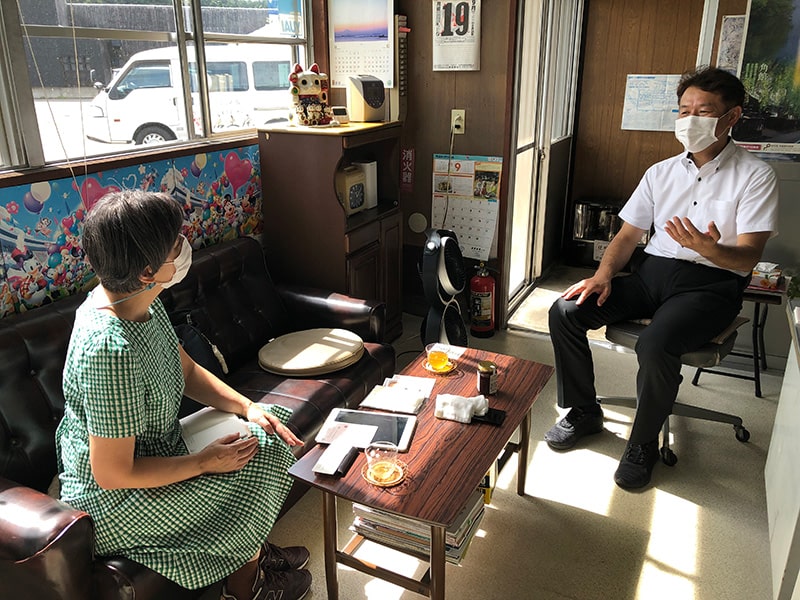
<point>194,518</point>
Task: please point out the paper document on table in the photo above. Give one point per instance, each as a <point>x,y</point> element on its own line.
<point>355,434</point>
<point>423,385</point>
<point>394,399</point>
<point>336,458</point>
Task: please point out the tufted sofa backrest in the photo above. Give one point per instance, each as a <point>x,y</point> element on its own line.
<point>229,296</point>
<point>33,347</point>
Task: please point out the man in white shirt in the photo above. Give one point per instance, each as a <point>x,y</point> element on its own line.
<point>712,208</point>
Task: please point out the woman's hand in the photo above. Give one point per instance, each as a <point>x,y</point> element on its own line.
<point>271,424</point>
<point>228,454</point>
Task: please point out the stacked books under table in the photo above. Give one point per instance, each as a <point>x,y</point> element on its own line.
<point>409,535</point>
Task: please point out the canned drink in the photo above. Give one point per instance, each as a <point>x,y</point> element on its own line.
<point>487,377</point>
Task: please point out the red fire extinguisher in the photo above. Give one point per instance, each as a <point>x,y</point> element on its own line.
<point>481,290</point>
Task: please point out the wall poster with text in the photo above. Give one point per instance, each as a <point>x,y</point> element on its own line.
<point>770,71</point>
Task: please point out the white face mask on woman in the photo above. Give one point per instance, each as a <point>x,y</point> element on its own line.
<point>181,263</point>
<point>697,133</point>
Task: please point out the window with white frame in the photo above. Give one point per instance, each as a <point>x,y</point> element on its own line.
<point>109,76</point>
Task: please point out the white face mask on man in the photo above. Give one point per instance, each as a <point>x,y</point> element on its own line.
<point>181,263</point>
<point>697,133</point>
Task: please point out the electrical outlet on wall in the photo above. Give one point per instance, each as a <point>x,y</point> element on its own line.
<point>599,249</point>
<point>458,120</point>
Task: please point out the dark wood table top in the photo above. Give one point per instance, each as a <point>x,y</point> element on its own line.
<point>754,293</point>
<point>763,295</point>
<point>446,460</point>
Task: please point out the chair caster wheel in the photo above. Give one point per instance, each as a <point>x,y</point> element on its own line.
<point>742,434</point>
<point>668,457</point>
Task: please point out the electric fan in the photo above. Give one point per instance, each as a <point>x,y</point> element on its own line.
<point>443,277</point>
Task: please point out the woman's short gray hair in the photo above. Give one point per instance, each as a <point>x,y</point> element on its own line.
<point>127,232</point>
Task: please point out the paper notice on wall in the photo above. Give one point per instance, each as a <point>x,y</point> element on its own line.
<point>457,35</point>
<point>465,200</point>
<point>731,42</point>
<point>651,102</point>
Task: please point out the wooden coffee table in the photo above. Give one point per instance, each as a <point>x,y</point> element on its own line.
<point>446,462</point>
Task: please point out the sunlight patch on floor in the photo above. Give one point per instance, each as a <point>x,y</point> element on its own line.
<point>673,532</point>
<point>391,559</point>
<point>618,421</point>
<point>670,566</point>
<point>595,471</point>
<point>660,582</point>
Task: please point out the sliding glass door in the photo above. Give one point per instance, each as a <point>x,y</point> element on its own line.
<point>546,78</point>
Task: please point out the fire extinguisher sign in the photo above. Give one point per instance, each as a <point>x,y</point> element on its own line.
<point>481,309</point>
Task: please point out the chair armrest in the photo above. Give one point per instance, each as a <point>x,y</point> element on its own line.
<point>116,577</point>
<point>310,308</point>
<point>44,544</point>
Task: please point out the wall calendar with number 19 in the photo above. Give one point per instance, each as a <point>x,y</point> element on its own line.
<point>456,35</point>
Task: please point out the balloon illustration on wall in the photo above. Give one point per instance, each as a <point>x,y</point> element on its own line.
<point>198,164</point>
<point>219,191</point>
<point>35,199</point>
<point>31,203</point>
<point>237,170</point>
<point>41,190</point>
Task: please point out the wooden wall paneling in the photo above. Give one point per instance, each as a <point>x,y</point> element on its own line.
<point>603,40</point>
<point>627,37</point>
<point>485,95</point>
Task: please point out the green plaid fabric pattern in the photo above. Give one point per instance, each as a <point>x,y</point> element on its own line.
<point>124,378</point>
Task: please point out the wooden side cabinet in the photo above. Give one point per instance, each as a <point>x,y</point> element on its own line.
<point>309,240</point>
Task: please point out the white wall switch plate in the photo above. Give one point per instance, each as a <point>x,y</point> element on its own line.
<point>599,249</point>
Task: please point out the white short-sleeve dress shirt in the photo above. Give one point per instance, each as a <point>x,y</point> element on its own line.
<point>736,190</point>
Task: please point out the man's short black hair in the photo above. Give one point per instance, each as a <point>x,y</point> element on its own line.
<point>716,81</point>
<point>127,232</point>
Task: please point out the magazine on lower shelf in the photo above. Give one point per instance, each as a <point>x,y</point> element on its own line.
<point>410,534</point>
<point>411,543</point>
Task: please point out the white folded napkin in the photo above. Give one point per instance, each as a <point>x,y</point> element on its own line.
<point>460,408</point>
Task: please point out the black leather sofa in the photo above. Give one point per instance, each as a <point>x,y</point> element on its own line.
<point>46,547</point>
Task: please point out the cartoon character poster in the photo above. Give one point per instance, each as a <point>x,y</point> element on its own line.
<point>40,223</point>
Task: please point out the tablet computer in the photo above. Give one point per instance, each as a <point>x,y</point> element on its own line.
<point>388,427</point>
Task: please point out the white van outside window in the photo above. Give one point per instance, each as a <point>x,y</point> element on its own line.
<point>143,103</point>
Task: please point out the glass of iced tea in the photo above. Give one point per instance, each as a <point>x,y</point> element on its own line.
<point>437,357</point>
<point>382,467</point>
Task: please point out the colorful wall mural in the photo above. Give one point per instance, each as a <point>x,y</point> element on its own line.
<point>41,259</point>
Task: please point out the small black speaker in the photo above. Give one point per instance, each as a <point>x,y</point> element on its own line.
<point>443,277</point>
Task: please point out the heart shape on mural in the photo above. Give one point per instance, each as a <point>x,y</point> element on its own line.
<point>92,190</point>
<point>237,170</point>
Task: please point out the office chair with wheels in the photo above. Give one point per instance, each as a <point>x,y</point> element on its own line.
<point>626,333</point>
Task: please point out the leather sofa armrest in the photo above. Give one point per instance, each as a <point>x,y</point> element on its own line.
<point>46,546</point>
<point>116,578</point>
<point>310,308</point>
